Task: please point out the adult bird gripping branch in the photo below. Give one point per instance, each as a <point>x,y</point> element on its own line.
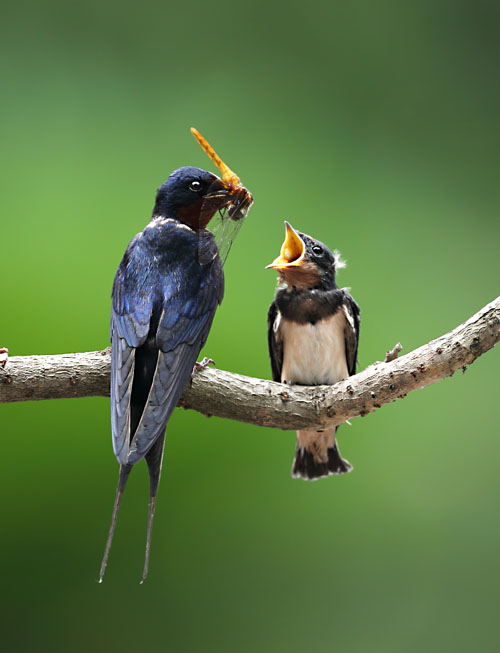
<point>165,294</point>
<point>313,333</point>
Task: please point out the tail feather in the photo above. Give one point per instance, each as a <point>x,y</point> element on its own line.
<point>122,482</point>
<point>307,466</point>
<point>154,460</point>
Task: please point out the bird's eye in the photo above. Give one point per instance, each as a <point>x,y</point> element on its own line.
<point>317,250</point>
<point>195,186</point>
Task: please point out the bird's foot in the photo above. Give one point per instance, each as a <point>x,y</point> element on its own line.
<point>198,366</point>
<point>4,355</point>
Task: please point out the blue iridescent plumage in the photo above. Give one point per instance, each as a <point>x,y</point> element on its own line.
<point>168,308</point>
<point>165,294</point>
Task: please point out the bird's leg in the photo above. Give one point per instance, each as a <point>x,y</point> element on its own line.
<point>198,366</point>
<point>122,481</point>
<point>154,459</point>
<point>4,354</point>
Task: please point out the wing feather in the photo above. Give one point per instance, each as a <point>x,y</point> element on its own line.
<point>351,331</point>
<point>275,343</point>
<point>172,372</point>
<point>184,313</point>
<point>122,372</point>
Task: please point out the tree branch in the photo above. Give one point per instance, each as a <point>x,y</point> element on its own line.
<point>265,403</point>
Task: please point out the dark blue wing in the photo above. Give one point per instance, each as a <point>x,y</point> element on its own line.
<point>351,331</point>
<point>275,345</point>
<point>162,313</point>
<point>130,320</point>
<point>182,332</point>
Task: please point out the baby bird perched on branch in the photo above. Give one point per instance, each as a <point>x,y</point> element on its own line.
<point>313,333</point>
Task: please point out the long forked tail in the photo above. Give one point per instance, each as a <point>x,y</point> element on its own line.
<point>318,455</point>
<point>122,482</point>
<point>154,459</point>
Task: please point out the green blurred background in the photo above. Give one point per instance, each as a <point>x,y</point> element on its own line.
<point>374,126</point>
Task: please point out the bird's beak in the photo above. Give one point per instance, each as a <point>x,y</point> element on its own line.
<point>292,251</point>
<point>233,194</point>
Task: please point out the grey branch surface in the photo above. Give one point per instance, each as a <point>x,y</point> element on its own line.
<point>261,402</point>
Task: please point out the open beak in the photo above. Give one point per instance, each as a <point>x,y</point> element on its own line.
<point>292,251</point>
<point>233,194</point>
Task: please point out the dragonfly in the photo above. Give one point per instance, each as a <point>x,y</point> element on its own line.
<point>229,219</point>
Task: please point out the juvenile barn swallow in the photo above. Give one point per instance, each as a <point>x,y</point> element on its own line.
<point>313,333</point>
<point>165,294</point>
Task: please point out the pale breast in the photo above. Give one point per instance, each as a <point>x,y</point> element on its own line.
<point>314,354</point>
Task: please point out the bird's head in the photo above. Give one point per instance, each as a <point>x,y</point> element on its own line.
<point>305,262</point>
<point>193,195</point>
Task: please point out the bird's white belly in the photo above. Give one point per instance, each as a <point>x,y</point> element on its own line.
<point>314,354</point>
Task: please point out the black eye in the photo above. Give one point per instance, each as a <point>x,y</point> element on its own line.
<point>317,250</point>
<point>195,186</point>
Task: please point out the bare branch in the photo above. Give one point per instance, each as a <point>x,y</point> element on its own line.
<point>265,403</point>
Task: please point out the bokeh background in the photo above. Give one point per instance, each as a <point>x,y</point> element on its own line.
<point>374,127</point>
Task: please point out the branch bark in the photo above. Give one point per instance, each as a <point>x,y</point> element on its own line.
<point>261,402</point>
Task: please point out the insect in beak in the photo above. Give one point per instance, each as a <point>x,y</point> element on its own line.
<point>239,199</point>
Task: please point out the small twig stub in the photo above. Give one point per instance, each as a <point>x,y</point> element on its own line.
<point>393,353</point>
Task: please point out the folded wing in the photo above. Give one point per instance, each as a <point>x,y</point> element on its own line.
<point>156,338</point>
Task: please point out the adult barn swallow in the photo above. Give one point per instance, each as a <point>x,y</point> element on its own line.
<point>165,294</point>
<point>313,333</point>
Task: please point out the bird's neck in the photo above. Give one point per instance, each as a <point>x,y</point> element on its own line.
<point>307,276</point>
<point>196,215</point>
<point>304,280</point>
<point>310,305</point>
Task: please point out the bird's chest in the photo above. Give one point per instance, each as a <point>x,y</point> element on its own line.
<point>314,354</point>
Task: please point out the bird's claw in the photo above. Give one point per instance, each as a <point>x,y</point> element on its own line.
<point>4,355</point>
<point>198,366</point>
